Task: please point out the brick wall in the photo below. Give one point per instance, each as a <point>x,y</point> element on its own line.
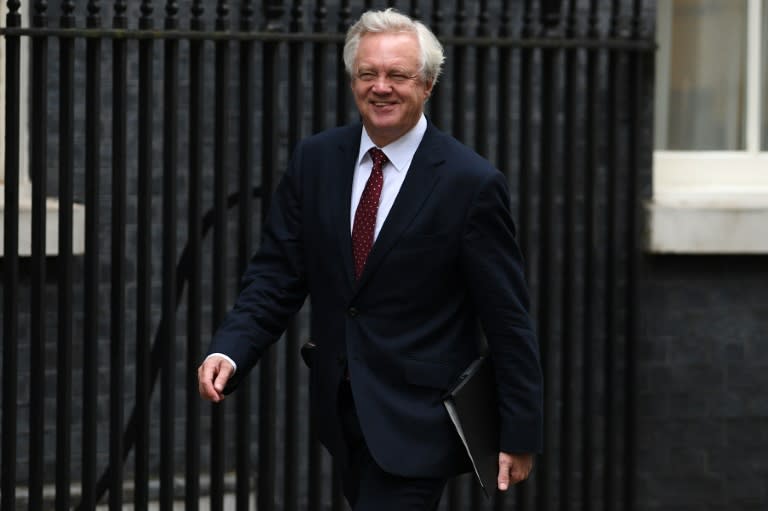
<point>703,384</point>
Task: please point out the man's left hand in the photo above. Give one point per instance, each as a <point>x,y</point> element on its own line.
<point>513,468</point>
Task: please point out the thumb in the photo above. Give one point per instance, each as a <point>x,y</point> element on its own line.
<point>222,376</point>
<point>503,478</point>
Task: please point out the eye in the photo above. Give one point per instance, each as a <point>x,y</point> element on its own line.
<point>366,76</point>
<point>398,77</point>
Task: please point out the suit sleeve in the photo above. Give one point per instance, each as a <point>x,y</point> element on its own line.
<point>273,286</point>
<point>493,266</point>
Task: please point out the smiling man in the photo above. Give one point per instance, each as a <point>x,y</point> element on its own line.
<point>404,241</point>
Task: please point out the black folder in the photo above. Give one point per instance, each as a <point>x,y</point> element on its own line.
<point>473,408</point>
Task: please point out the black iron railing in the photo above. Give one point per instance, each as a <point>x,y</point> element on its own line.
<point>157,117</point>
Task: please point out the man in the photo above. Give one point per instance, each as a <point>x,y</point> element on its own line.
<point>408,253</point>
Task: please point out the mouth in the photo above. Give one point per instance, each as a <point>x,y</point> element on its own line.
<point>383,106</point>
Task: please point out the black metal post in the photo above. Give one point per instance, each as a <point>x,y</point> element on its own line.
<point>569,218</point>
<point>169,220</point>
<point>504,160</point>
<point>640,90</point>
<point>143,272</point>
<point>194,246</point>
<point>244,242</point>
<point>92,301</point>
<point>504,92</point>
<point>117,300</point>
<point>610,269</point>
<point>320,101</point>
<point>267,463</point>
<point>38,167</point>
<point>65,283</point>
<point>481,140</point>
<point>220,294</point>
<point>435,104</point>
<point>459,64</point>
<point>524,494</point>
<point>293,459</point>
<point>414,11</point>
<point>8,468</point>
<point>590,211</point>
<point>342,88</point>
<point>319,107</point>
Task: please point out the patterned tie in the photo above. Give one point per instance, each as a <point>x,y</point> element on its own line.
<point>365,215</point>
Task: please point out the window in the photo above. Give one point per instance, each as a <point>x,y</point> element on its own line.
<point>711,127</point>
<point>25,187</point>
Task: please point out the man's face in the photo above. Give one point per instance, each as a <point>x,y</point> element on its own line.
<point>388,88</point>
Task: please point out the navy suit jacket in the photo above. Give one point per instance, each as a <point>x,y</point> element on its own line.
<point>444,270</point>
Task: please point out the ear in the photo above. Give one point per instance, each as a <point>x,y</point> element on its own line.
<point>428,89</point>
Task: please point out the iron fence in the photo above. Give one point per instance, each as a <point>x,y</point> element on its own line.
<point>172,127</point>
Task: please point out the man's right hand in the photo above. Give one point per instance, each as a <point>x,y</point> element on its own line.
<point>212,377</point>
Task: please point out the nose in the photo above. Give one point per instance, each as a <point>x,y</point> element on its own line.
<point>382,84</point>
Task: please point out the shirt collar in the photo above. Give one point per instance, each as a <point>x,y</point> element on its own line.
<point>401,151</point>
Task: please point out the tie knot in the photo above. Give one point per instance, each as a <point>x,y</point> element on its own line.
<point>378,156</point>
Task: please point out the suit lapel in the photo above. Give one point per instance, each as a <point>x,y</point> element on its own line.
<point>349,147</point>
<point>421,179</point>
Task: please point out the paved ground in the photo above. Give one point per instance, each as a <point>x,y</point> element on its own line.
<point>229,505</point>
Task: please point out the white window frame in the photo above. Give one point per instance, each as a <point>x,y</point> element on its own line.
<point>714,201</point>
<point>3,14</point>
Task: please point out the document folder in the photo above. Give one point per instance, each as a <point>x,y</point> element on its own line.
<point>473,408</point>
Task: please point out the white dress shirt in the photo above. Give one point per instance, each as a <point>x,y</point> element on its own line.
<point>400,154</point>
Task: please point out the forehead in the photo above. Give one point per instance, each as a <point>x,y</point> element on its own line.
<point>388,49</point>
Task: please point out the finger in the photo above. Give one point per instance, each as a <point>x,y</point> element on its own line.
<point>521,467</point>
<point>517,474</point>
<point>222,377</point>
<point>205,382</point>
<point>503,478</point>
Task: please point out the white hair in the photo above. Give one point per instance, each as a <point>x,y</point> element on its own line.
<point>392,21</point>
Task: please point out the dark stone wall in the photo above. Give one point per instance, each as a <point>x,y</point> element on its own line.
<point>703,384</point>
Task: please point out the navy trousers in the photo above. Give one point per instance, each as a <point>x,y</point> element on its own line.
<point>369,488</point>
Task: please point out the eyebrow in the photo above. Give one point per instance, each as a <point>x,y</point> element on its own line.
<point>396,69</point>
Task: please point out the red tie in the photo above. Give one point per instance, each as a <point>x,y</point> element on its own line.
<point>365,215</point>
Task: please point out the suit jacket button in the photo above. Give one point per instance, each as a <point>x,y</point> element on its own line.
<point>352,312</point>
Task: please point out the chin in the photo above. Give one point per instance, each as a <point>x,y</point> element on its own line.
<point>384,125</point>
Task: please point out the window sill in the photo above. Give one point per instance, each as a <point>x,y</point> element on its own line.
<point>707,224</point>
<point>51,228</point>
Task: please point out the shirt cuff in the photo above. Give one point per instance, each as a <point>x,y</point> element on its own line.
<point>222,355</point>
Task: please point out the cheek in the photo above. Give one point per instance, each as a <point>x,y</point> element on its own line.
<point>358,92</point>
